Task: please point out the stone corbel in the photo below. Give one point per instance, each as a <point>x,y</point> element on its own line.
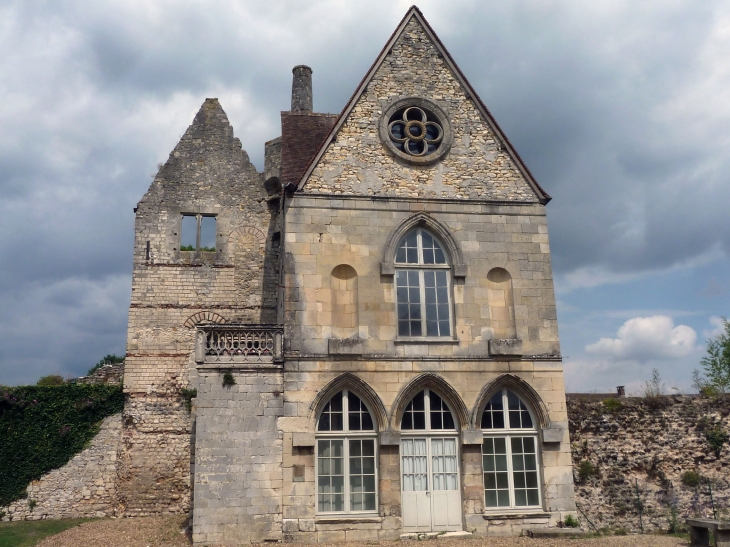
<point>472,436</point>
<point>552,435</point>
<point>389,437</point>
<point>302,439</point>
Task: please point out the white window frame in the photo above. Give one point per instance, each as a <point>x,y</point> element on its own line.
<point>420,267</point>
<point>346,435</point>
<point>507,433</point>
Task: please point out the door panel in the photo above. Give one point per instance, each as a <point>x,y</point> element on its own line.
<point>431,499</point>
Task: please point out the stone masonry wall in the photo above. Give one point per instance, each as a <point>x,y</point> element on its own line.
<point>238,458</point>
<point>172,290</point>
<point>476,167</point>
<point>654,441</point>
<point>84,487</point>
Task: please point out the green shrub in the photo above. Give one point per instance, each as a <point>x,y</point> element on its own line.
<point>43,427</point>
<point>187,248</point>
<point>691,478</point>
<point>612,405</point>
<point>51,380</point>
<point>586,469</point>
<point>571,522</point>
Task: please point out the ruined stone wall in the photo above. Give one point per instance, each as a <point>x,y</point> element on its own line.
<point>476,167</point>
<point>654,441</point>
<point>173,290</point>
<point>84,487</point>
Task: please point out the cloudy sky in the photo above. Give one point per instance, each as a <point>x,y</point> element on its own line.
<point>619,108</point>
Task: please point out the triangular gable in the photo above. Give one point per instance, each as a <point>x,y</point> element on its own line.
<point>503,144</point>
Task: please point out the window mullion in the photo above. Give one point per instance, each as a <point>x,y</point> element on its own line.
<point>422,292</point>
<point>346,472</point>
<point>199,219</point>
<point>510,479</point>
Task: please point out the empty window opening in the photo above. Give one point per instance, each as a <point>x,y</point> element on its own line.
<point>198,233</point>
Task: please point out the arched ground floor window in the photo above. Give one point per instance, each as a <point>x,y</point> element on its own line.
<point>510,455</point>
<point>346,470</point>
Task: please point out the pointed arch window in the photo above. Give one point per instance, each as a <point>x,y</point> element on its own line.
<point>346,471</point>
<point>510,455</point>
<point>422,281</point>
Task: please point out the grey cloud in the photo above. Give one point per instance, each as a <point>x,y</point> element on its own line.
<point>604,102</point>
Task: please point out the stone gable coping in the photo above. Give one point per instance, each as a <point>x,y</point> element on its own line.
<point>503,141</point>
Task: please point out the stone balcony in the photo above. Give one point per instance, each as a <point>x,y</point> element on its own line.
<point>238,346</point>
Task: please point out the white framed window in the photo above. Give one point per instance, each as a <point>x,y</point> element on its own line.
<point>347,464</point>
<point>423,287</point>
<point>510,455</point>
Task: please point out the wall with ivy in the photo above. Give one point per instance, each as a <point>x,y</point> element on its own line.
<point>43,427</point>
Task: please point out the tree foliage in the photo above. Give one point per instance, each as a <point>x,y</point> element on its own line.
<point>716,364</point>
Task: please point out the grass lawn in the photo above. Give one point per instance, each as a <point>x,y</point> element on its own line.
<point>26,533</point>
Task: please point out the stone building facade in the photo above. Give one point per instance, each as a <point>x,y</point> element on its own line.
<point>369,324</point>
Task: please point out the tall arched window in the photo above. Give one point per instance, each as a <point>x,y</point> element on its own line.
<point>509,453</point>
<point>346,470</point>
<point>422,280</point>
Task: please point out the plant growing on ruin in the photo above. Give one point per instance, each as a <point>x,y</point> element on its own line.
<point>716,438</point>
<point>31,504</point>
<point>612,405</point>
<point>188,395</point>
<point>716,364</point>
<point>228,379</point>
<point>691,478</point>
<point>586,469</point>
<point>571,522</point>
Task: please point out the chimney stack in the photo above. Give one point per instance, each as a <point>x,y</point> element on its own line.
<point>301,89</point>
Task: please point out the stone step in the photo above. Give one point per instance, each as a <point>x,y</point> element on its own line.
<point>435,535</point>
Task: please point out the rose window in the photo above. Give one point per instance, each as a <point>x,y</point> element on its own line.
<point>415,131</point>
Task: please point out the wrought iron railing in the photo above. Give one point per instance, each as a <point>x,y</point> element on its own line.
<point>239,344</point>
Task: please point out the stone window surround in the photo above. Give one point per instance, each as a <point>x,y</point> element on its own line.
<point>424,104</point>
<point>177,213</point>
<point>421,268</point>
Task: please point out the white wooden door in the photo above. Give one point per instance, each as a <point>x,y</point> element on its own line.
<point>431,499</point>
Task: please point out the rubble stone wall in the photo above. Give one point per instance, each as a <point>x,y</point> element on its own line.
<point>652,443</point>
<point>84,487</point>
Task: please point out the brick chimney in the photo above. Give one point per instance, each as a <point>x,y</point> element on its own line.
<point>301,89</point>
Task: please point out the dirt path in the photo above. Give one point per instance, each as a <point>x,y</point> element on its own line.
<point>166,532</point>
